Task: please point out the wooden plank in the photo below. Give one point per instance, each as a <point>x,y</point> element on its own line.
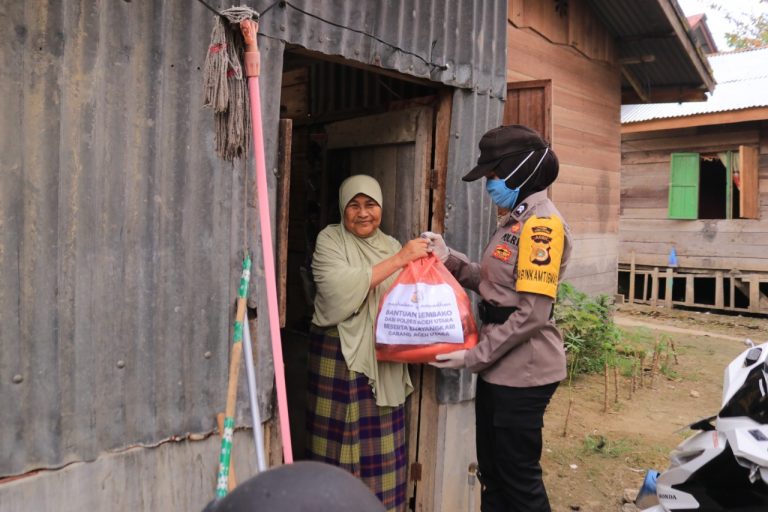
<point>669,281</point>
<point>645,286</point>
<point>388,128</point>
<point>719,300</point>
<point>643,213</point>
<point>591,157</point>
<point>689,290</point>
<point>697,249</point>
<point>700,141</point>
<point>632,279</point>
<point>590,227</point>
<point>421,170</point>
<point>428,440</point>
<point>704,227</point>
<point>295,76</point>
<point>749,197</point>
<point>629,157</point>
<point>285,138</point>
<point>579,120</point>
<point>732,290</point>
<point>725,264</point>
<point>754,294</point>
<point>442,144</point>
<point>654,286</point>
<point>415,469</point>
<point>701,243</point>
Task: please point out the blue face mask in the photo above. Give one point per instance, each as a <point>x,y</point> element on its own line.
<point>504,196</point>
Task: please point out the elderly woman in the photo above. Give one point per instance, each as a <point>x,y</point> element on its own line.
<point>356,413</point>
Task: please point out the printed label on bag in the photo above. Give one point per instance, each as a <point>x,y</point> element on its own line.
<point>419,314</point>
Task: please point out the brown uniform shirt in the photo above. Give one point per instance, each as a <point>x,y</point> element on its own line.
<point>527,350</point>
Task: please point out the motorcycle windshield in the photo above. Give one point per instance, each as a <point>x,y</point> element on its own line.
<point>751,400</point>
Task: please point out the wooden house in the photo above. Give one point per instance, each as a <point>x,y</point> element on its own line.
<point>570,67</point>
<point>694,194</point>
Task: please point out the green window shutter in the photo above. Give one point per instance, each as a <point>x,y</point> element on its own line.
<point>684,186</point>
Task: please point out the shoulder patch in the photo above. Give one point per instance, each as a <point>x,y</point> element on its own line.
<point>520,209</point>
<point>540,253</point>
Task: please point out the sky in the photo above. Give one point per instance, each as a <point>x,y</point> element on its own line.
<point>716,22</point>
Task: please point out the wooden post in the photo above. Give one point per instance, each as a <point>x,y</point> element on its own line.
<point>732,290</point>
<point>754,293</point>
<point>655,286</point>
<point>632,278</point>
<point>719,300</point>
<point>442,142</point>
<point>645,286</point>
<point>668,292</point>
<point>689,299</point>
<point>285,138</point>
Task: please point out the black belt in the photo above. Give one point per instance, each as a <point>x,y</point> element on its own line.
<point>490,314</point>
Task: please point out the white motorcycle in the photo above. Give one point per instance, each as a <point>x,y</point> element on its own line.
<point>724,466</point>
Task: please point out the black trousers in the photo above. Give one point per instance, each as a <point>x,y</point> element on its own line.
<point>508,423</point>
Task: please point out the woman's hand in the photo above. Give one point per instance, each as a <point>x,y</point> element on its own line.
<point>413,250</point>
<point>450,360</point>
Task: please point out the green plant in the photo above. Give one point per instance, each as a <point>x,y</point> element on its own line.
<point>595,443</point>
<point>590,335</point>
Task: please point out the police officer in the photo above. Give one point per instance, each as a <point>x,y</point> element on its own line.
<point>519,358</point>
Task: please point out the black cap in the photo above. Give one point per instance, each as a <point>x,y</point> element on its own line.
<point>500,143</point>
<point>304,486</point>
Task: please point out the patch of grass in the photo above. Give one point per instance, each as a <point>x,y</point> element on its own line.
<point>600,445</point>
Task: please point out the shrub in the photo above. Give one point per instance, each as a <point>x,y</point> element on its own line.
<point>590,335</point>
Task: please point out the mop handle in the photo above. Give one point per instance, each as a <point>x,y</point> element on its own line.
<point>249,29</point>
<point>222,479</point>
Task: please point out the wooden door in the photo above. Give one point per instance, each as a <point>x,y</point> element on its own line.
<point>530,103</point>
<point>396,149</point>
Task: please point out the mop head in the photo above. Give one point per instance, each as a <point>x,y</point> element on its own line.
<point>225,85</point>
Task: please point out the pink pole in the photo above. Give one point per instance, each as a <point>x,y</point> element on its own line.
<point>249,29</point>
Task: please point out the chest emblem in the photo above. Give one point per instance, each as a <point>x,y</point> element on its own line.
<point>502,252</point>
<point>515,228</point>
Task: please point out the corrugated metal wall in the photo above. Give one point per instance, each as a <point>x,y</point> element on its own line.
<point>121,233</point>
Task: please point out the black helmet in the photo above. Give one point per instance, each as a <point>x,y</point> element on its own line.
<point>304,486</point>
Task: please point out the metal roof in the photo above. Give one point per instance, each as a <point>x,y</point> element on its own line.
<point>656,49</point>
<point>742,83</point>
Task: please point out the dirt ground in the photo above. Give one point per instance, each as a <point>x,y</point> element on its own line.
<point>604,453</point>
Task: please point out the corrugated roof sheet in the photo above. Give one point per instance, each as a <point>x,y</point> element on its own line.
<point>655,28</point>
<point>423,38</point>
<point>742,83</point>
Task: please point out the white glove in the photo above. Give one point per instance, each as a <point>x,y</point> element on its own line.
<point>450,360</point>
<point>436,245</point>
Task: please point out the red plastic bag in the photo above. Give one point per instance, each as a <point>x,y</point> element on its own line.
<point>426,312</point>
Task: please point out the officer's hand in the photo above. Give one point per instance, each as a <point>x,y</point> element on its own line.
<point>436,245</point>
<point>450,360</point>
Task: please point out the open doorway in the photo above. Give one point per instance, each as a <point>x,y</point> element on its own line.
<point>345,120</point>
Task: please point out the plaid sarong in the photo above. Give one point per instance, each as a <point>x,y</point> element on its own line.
<point>346,428</point>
